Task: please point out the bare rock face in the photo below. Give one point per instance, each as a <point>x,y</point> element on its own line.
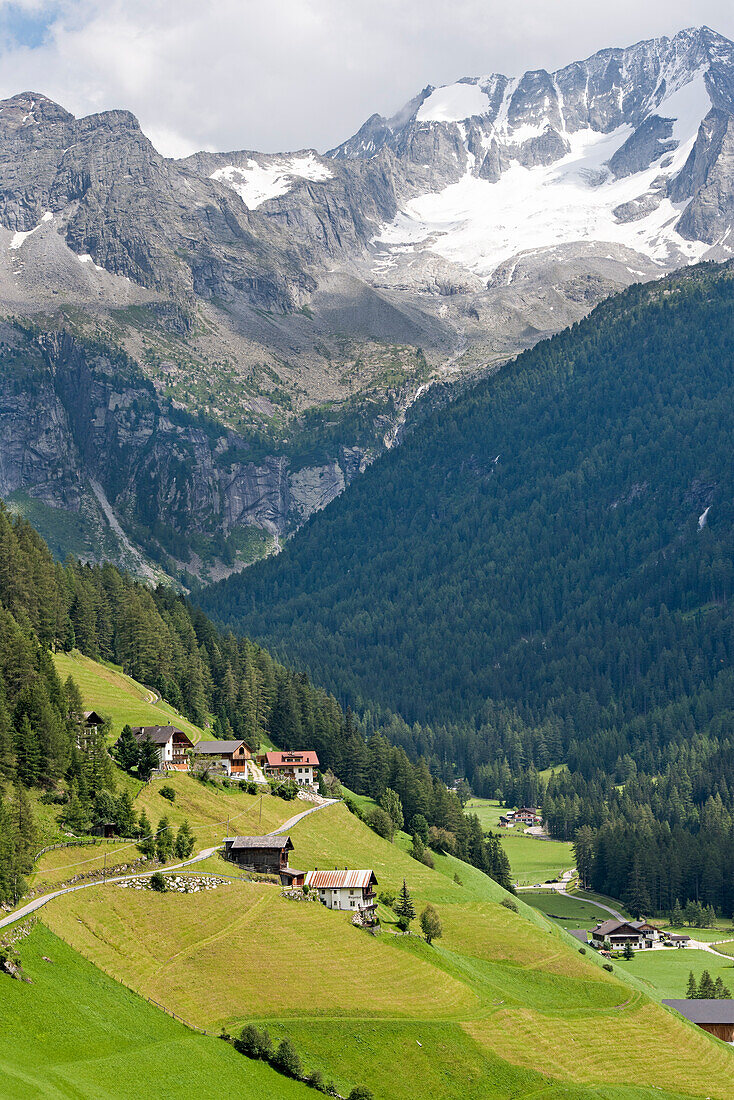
<point>93,418</point>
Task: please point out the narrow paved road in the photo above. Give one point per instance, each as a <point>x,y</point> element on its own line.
<point>32,906</point>
<point>299,817</point>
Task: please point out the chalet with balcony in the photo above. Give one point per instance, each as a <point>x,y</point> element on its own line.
<point>232,756</point>
<point>612,934</point>
<point>350,890</point>
<point>91,725</point>
<point>299,766</point>
<point>172,745</point>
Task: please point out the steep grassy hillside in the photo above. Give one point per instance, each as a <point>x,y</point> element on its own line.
<point>464,1016</point>
<point>75,1033</point>
<point>106,689</point>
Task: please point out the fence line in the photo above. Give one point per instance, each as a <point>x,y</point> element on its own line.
<point>170,1012</point>
<point>84,841</point>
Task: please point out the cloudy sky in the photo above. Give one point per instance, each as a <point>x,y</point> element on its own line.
<point>289,74</point>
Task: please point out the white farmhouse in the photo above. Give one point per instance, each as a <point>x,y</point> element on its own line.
<point>351,890</point>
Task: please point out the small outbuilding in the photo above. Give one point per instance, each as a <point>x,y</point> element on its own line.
<point>714,1016</point>
<point>266,855</point>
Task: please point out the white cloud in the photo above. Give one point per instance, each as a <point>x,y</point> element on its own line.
<point>289,74</point>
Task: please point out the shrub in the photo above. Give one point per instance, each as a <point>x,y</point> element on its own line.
<point>457,880</point>
<point>582,950</point>
<point>250,786</point>
<point>510,904</point>
<point>316,1081</point>
<point>286,1059</point>
<point>428,859</point>
<point>254,1043</point>
<point>387,897</point>
<point>609,967</point>
<point>158,882</point>
<point>431,924</point>
<point>168,792</point>
<point>359,1092</point>
<point>442,840</point>
<point>381,822</point>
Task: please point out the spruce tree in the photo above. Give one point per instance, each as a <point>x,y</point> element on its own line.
<point>692,988</point>
<point>147,840</point>
<point>164,842</point>
<point>404,908</point>
<point>185,841</point>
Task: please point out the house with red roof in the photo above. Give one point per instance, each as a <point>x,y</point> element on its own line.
<point>299,766</point>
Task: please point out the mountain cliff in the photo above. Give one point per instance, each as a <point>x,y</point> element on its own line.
<point>297,303</point>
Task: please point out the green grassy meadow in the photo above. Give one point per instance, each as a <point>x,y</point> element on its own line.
<point>503,1005</point>
<point>567,910</point>
<point>532,860</point>
<point>665,972</point>
<point>74,1032</point>
<point>107,689</point>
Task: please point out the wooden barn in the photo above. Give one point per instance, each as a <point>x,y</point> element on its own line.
<point>268,855</point>
<point>714,1016</point>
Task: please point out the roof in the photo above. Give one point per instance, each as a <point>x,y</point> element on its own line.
<point>213,747</point>
<point>275,842</point>
<point>580,934</point>
<point>678,936</point>
<point>610,927</point>
<point>93,718</point>
<point>159,735</point>
<point>292,759</point>
<point>290,871</point>
<point>339,880</point>
<point>705,1010</point>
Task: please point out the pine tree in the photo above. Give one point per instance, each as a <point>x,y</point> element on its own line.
<point>127,749</point>
<point>706,987</point>
<point>185,841</point>
<point>164,842</point>
<point>147,841</point>
<point>404,908</point>
<point>692,988</point>
<point>148,760</point>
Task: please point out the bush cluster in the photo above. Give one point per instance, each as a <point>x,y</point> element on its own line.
<point>254,1042</point>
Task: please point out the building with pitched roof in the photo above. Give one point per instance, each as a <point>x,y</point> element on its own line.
<point>300,766</point>
<point>351,890</point>
<point>618,933</point>
<point>232,756</point>
<point>714,1016</point>
<point>172,744</point>
<point>266,855</point>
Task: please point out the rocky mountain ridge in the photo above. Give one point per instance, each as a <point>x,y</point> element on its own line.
<point>297,303</point>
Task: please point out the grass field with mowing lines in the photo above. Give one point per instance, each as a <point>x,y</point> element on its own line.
<point>354,1002</point>
<point>74,1032</point>
<point>106,689</point>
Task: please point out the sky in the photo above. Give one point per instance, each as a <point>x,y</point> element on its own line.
<point>277,75</point>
